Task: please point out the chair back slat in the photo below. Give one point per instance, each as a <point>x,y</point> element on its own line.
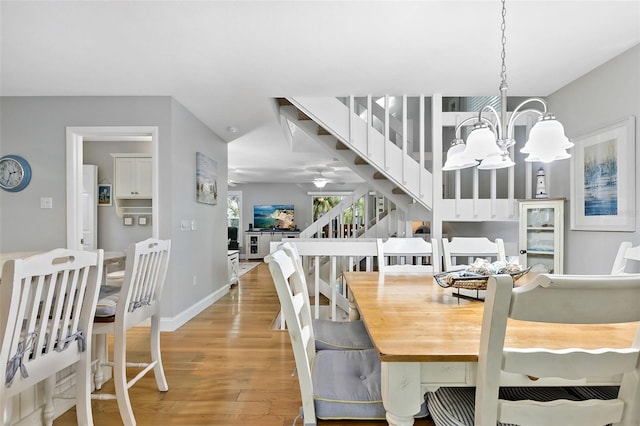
<point>146,269</point>
<point>48,302</point>
<point>627,260</point>
<point>575,300</point>
<point>292,300</point>
<point>461,251</point>
<point>299,287</point>
<point>408,254</point>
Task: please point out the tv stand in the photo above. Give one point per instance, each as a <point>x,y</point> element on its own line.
<point>258,243</point>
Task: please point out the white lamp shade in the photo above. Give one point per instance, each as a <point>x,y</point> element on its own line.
<point>320,182</point>
<point>547,142</point>
<point>455,159</point>
<point>481,144</point>
<point>496,162</point>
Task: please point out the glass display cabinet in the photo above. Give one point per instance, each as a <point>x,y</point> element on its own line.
<point>541,235</point>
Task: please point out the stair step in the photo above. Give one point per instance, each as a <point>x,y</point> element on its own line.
<point>359,161</point>
<point>284,102</point>
<point>379,175</point>
<point>398,191</point>
<point>303,116</point>
<point>322,131</point>
<point>340,146</point>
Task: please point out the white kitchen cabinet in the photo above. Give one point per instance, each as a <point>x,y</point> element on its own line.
<point>542,233</point>
<point>133,178</point>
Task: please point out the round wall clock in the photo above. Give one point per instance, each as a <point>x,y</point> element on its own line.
<point>15,173</point>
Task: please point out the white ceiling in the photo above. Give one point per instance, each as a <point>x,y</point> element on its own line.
<point>226,60</point>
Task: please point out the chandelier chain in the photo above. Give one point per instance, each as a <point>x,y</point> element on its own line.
<point>503,55</point>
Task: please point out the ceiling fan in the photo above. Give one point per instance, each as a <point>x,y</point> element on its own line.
<point>322,178</point>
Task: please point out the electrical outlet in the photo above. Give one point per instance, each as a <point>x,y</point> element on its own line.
<point>184,225</point>
<point>46,202</point>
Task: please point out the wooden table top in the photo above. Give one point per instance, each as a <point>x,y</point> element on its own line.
<point>410,318</point>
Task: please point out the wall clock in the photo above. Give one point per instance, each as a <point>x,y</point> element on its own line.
<point>15,173</point>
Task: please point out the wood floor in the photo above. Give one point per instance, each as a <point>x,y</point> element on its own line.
<point>225,367</point>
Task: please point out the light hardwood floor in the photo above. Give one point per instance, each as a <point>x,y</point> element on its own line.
<point>225,367</point>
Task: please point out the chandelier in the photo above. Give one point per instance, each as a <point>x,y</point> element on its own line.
<point>489,141</point>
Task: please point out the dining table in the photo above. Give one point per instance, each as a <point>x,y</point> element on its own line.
<point>427,337</point>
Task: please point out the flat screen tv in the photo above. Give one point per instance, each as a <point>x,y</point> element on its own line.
<point>279,216</point>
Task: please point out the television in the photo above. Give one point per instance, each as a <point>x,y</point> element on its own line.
<point>273,216</point>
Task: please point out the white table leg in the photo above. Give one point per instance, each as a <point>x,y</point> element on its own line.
<point>401,393</point>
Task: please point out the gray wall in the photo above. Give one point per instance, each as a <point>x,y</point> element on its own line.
<point>35,127</point>
<point>201,252</point>
<point>608,94</point>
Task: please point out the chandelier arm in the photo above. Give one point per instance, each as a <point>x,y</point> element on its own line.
<point>497,127</point>
<point>467,120</point>
<point>539,100</point>
<point>516,115</point>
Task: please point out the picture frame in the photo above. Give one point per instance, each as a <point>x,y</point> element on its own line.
<point>104,195</point>
<point>206,179</point>
<point>603,179</point>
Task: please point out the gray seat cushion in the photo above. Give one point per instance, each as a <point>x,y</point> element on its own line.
<point>340,335</point>
<point>347,385</point>
<point>456,406</point>
<point>107,301</point>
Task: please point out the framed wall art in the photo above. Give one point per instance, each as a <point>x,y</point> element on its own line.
<point>603,179</point>
<point>104,194</point>
<point>206,179</point>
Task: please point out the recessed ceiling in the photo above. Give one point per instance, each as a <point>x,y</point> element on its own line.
<point>226,60</point>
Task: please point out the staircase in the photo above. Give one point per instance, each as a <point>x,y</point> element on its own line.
<point>383,150</point>
<point>370,172</point>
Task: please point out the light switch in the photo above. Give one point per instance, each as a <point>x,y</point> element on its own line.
<point>46,202</point>
<point>193,225</point>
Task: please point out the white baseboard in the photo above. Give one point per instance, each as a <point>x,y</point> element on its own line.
<point>172,324</point>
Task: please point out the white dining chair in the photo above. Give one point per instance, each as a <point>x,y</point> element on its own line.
<point>118,310</point>
<point>556,299</point>
<point>327,334</point>
<point>627,259</point>
<point>459,252</point>
<point>47,307</point>
<point>408,255</point>
<point>334,384</point>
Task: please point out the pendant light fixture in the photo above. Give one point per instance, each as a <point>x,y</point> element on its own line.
<point>489,141</point>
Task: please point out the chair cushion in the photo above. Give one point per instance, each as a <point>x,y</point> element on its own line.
<point>107,301</point>
<point>347,385</point>
<point>456,406</point>
<point>340,335</point>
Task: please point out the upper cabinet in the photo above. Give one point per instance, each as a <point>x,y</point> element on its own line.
<point>133,177</point>
<point>542,233</point>
<point>133,183</point>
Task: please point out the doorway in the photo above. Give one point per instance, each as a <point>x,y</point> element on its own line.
<point>76,137</point>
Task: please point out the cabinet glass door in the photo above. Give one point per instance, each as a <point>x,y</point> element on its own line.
<point>541,230</point>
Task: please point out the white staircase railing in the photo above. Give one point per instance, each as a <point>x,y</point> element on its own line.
<point>394,161</point>
<point>389,144</point>
<point>331,223</point>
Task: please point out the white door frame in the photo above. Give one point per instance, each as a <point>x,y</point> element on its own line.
<point>75,138</point>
